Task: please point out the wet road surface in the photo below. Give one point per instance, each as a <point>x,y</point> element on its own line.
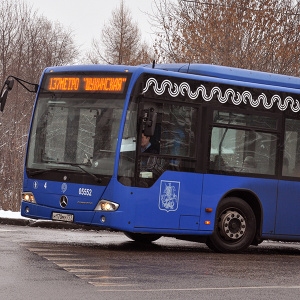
<point>39,263</point>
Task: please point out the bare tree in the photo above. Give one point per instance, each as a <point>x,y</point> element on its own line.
<point>8,34</point>
<point>121,41</point>
<point>28,44</point>
<point>255,34</point>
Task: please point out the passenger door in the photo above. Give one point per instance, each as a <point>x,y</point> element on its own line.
<point>170,193</point>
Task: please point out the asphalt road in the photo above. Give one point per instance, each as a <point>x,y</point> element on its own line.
<point>48,263</point>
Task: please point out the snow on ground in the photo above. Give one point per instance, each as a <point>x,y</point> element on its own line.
<point>10,215</point>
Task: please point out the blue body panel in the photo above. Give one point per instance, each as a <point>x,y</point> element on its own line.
<point>48,194</point>
<point>185,215</point>
<point>288,208</point>
<point>140,209</point>
<point>234,74</point>
<point>215,187</point>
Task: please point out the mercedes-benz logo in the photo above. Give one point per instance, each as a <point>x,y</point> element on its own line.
<point>63,201</point>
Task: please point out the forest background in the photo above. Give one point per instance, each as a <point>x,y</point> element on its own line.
<point>260,35</point>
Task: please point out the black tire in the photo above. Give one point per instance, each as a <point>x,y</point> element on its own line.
<point>142,237</point>
<point>235,226</point>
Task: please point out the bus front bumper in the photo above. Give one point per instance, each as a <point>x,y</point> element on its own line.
<point>96,218</point>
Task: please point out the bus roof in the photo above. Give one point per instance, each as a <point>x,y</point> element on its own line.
<point>230,73</point>
<point>227,73</point>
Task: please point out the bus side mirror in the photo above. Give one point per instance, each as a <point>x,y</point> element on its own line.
<point>8,85</point>
<point>149,121</point>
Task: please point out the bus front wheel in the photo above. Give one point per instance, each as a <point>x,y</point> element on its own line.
<point>235,226</point>
<point>142,237</point>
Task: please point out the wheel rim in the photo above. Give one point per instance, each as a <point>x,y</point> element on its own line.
<point>232,225</point>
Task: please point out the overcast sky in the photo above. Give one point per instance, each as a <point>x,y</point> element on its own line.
<point>87,17</point>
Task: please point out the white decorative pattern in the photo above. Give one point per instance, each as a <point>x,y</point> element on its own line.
<point>169,195</point>
<point>237,98</point>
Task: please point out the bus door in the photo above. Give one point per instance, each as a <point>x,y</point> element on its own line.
<point>288,206</point>
<point>169,193</point>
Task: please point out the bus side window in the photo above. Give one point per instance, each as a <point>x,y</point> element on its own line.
<point>242,151</point>
<point>178,130</point>
<point>291,160</point>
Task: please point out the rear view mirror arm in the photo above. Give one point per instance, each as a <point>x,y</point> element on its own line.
<point>8,85</point>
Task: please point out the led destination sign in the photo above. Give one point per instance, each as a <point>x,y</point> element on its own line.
<point>86,84</point>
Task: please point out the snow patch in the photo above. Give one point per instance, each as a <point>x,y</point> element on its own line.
<point>11,215</point>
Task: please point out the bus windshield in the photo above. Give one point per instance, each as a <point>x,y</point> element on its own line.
<point>75,131</point>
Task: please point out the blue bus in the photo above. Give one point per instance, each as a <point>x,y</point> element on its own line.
<point>197,152</point>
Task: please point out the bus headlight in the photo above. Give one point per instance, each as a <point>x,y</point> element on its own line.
<point>28,197</point>
<point>105,205</point>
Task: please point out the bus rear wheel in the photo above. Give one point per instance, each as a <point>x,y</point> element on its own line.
<point>142,237</point>
<point>235,226</point>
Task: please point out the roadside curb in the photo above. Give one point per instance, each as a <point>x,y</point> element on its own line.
<point>49,224</point>
<point>19,222</point>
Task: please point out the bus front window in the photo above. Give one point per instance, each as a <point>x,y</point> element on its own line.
<point>74,130</point>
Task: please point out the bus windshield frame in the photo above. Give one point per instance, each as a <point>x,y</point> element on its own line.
<point>75,125</point>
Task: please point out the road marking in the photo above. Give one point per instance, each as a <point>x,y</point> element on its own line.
<point>44,250</point>
<point>208,289</point>
<point>98,277</point>
<point>83,270</point>
<point>54,259</point>
<point>56,255</point>
<point>109,284</point>
<point>79,267</point>
<point>65,265</point>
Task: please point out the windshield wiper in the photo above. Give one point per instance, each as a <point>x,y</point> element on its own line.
<point>81,168</point>
<point>98,180</point>
<point>32,173</point>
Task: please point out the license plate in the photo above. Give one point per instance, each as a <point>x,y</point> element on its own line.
<point>62,217</point>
